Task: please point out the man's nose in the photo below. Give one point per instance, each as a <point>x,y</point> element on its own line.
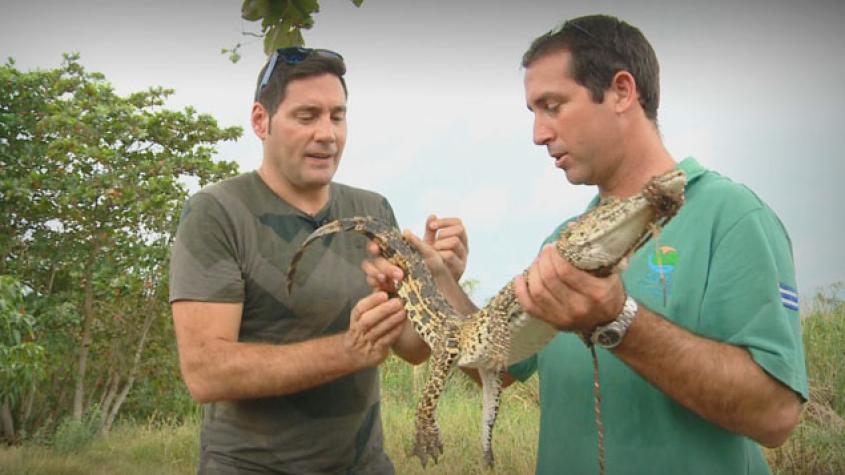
<point>543,134</point>
<point>325,130</point>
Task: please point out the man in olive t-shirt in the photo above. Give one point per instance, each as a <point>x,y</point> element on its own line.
<point>290,380</point>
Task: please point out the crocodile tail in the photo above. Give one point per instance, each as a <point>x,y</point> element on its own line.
<point>365,225</point>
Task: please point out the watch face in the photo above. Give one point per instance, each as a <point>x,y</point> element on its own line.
<point>608,338</point>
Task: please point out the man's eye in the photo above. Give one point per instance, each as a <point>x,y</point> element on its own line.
<point>338,117</point>
<point>553,107</point>
<point>305,117</point>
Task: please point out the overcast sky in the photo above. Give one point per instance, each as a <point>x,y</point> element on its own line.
<point>437,116</point>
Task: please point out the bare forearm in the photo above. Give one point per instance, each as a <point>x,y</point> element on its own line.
<point>410,346</point>
<point>719,382</point>
<point>455,295</point>
<point>232,370</point>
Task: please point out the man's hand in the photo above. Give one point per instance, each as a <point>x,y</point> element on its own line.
<point>444,250</point>
<point>566,297</point>
<point>449,238</point>
<point>374,325</point>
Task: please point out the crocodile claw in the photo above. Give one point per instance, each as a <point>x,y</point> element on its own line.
<point>488,459</point>
<point>428,444</point>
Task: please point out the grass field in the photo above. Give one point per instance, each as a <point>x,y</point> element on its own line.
<point>816,447</point>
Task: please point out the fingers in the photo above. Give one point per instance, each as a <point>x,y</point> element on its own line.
<point>544,285</point>
<point>448,227</point>
<point>451,249</point>
<point>431,257</point>
<point>565,297</point>
<point>449,238</point>
<point>520,288</point>
<point>426,249</point>
<point>430,229</point>
<point>380,273</point>
<point>377,320</point>
<point>377,273</point>
<point>543,294</point>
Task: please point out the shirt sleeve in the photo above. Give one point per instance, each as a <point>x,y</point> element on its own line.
<point>204,260</point>
<point>751,297</point>
<point>389,216</point>
<point>524,369</point>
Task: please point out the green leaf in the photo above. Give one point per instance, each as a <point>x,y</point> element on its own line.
<point>274,14</point>
<point>280,37</point>
<point>305,8</point>
<point>357,3</point>
<point>253,10</point>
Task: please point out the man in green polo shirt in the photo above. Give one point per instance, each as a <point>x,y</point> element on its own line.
<point>289,381</point>
<point>702,357</point>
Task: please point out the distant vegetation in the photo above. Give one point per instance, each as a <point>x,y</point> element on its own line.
<point>91,186</point>
<point>818,444</point>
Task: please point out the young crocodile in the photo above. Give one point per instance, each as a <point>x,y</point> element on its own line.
<point>501,334</point>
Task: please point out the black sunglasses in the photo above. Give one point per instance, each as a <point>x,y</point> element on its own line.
<point>607,46</point>
<point>579,28</point>
<point>291,56</point>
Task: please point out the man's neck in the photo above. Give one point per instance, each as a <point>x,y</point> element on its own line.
<point>307,200</point>
<point>642,158</point>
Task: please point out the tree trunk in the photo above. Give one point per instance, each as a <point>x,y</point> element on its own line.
<point>50,280</point>
<point>26,407</point>
<point>111,394</point>
<point>136,362</point>
<point>88,320</point>
<point>107,389</point>
<point>8,423</point>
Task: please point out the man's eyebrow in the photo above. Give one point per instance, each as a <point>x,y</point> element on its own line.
<point>314,109</point>
<point>306,108</point>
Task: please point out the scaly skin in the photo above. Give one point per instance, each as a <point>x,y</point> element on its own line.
<point>501,334</point>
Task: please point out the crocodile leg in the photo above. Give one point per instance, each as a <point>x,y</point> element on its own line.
<point>491,382</point>
<point>443,359</point>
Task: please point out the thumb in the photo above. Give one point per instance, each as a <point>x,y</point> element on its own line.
<point>425,249</point>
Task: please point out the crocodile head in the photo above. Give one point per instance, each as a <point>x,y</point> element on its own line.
<point>616,228</point>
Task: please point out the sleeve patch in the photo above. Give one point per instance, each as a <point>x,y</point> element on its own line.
<point>788,296</point>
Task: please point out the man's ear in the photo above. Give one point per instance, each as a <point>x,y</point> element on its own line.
<point>623,89</point>
<point>260,119</point>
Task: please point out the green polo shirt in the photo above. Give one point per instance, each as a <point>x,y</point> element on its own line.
<point>234,244</point>
<point>729,276</point>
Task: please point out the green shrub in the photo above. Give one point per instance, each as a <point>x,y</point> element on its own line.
<point>73,436</point>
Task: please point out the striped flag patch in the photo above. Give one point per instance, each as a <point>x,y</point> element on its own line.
<point>788,296</point>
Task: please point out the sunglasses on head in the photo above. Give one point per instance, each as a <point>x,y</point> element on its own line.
<point>292,56</point>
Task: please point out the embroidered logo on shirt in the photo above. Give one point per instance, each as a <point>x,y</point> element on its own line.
<point>788,296</point>
<point>665,257</point>
<point>658,282</point>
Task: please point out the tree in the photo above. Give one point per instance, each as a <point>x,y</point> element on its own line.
<point>92,184</point>
<point>282,22</point>
<point>21,359</point>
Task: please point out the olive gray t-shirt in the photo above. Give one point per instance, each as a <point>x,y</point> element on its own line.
<point>235,241</point>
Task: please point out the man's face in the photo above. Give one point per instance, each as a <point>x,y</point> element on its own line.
<point>308,132</point>
<point>577,132</point>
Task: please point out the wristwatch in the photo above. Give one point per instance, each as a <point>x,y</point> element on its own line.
<point>610,335</point>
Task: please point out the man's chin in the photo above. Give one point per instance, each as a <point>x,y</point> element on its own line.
<point>318,179</point>
<point>573,177</point>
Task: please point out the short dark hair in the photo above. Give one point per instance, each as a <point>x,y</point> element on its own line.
<point>272,94</point>
<point>601,46</point>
